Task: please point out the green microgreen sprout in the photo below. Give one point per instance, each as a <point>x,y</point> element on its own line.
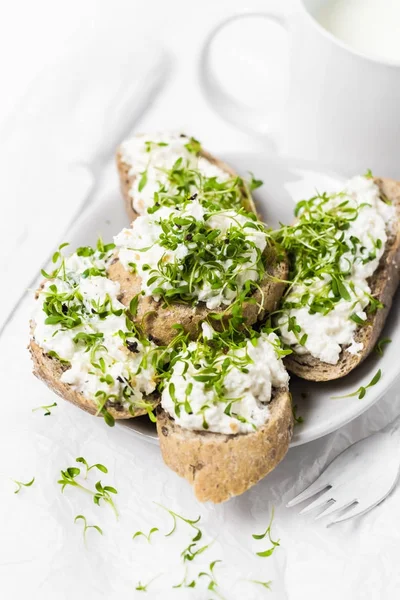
<point>267,532</point>
<point>191,522</point>
<point>69,477</point>
<point>212,585</point>
<point>142,180</point>
<point>255,183</point>
<point>362,390</point>
<point>86,527</point>
<point>21,484</point>
<point>97,466</point>
<point>103,493</point>
<point>149,146</point>
<point>185,583</point>
<point>193,146</point>
<point>265,584</point>
<point>380,346</point>
<point>46,408</point>
<point>298,419</point>
<point>57,256</point>
<point>191,551</point>
<point>147,536</point>
<point>141,587</point>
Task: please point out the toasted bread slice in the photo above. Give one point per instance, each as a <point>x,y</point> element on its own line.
<point>49,370</point>
<point>157,319</point>
<point>127,176</point>
<point>383,283</point>
<point>221,466</point>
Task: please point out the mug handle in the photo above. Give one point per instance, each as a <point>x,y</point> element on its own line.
<point>229,108</point>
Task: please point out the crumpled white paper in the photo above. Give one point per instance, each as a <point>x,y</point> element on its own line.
<point>43,555</point>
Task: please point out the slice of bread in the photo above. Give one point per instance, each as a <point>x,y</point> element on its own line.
<point>221,466</point>
<point>383,283</point>
<point>127,176</point>
<point>50,369</point>
<point>157,319</point>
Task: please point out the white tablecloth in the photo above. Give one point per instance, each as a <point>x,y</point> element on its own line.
<point>42,553</point>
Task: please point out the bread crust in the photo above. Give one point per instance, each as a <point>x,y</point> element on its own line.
<point>383,283</point>
<point>157,319</point>
<point>127,179</point>
<point>49,370</point>
<point>222,466</point>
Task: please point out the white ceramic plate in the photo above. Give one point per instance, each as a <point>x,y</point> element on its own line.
<point>284,184</point>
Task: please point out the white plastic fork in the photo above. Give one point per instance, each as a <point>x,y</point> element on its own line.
<point>358,479</point>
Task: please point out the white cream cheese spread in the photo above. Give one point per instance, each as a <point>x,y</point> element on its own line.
<point>329,299</point>
<point>190,252</point>
<point>224,392</point>
<point>79,320</point>
<point>151,157</point>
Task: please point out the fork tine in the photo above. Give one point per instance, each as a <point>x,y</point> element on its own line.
<point>320,501</point>
<point>350,514</point>
<point>314,488</point>
<point>335,507</point>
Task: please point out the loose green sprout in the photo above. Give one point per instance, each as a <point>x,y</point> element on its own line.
<point>147,536</point>
<point>101,493</point>
<point>362,390</point>
<point>46,408</point>
<point>267,532</point>
<point>86,527</point>
<point>21,484</point>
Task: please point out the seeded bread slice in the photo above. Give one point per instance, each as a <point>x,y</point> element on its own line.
<point>383,283</point>
<point>157,320</point>
<point>127,177</point>
<point>222,466</point>
<point>49,370</point>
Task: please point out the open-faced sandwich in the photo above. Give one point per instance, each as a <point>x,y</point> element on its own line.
<point>83,344</point>
<point>196,261</point>
<point>225,419</point>
<point>344,251</point>
<point>166,168</point>
<point>197,248</point>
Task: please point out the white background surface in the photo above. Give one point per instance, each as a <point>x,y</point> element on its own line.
<point>42,555</point>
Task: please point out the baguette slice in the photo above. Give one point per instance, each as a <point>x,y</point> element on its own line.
<point>383,283</point>
<point>221,466</point>
<point>127,177</point>
<point>157,319</point>
<point>49,370</point>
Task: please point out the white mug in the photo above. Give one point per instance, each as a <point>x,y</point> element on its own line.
<point>342,107</point>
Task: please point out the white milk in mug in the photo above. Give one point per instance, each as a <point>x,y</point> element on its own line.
<point>369,26</point>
